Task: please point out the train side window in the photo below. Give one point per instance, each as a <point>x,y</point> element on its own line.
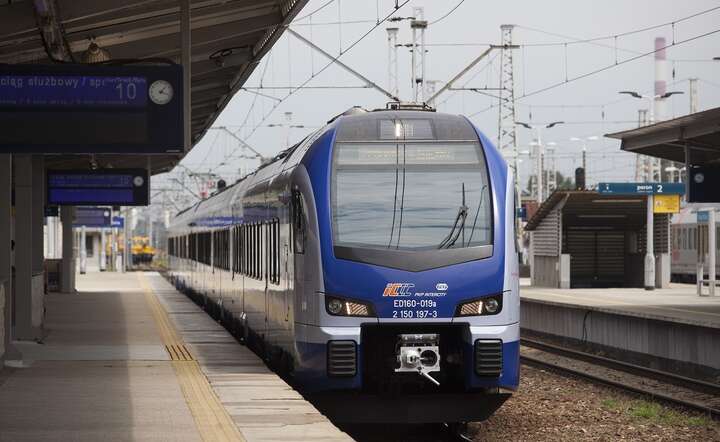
<point>246,251</point>
<point>246,248</point>
<point>256,255</point>
<point>693,238</point>
<point>273,250</point>
<point>252,251</point>
<point>226,250</point>
<point>263,253</point>
<point>236,248</point>
<point>260,252</point>
<point>200,247</point>
<point>223,249</point>
<point>267,250</point>
<point>215,249</point>
<point>299,224</point>
<point>276,248</point>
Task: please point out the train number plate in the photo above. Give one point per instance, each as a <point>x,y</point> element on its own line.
<point>414,308</point>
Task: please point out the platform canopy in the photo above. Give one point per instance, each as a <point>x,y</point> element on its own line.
<point>698,132</point>
<point>588,209</point>
<point>228,39</point>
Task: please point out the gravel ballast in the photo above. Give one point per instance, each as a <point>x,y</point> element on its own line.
<point>551,407</point>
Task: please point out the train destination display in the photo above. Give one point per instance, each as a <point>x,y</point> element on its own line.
<point>72,90</point>
<point>125,187</point>
<point>98,217</point>
<point>91,109</point>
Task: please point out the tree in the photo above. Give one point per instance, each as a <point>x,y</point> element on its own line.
<point>563,182</point>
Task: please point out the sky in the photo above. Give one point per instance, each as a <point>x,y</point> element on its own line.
<point>589,106</point>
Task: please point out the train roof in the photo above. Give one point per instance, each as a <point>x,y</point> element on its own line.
<point>415,125</point>
<point>356,124</point>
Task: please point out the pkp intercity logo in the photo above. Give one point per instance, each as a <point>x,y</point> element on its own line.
<point>398,289</point>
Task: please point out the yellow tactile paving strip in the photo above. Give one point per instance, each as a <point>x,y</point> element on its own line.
<point>212,420</point>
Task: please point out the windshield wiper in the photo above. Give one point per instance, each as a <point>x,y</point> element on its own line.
<point>458,226</point>
<point>457,229</point>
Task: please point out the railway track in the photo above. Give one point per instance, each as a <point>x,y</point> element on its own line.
<point>667,387</point>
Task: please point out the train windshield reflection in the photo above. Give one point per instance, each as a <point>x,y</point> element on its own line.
<point>410,196</point>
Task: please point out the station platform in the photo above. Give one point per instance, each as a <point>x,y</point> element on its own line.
<point>130,358</point>
<point>678,303</point>
<point>671,329</point>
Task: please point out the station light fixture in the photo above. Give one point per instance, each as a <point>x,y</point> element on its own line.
<point>651,97</point>
<point>95,54</point>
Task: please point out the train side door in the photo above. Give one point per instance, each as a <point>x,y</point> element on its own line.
<point>264,266</point>
<point>299,228</point>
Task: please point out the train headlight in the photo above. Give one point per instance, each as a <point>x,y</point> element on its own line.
<point>335,306</point>
<point>490,305</point>
<point>346,307</point>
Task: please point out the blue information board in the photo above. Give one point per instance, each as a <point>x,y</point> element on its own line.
<point>642,188</point>
<point>112,187</point>
<point>703,216</point>
<point>73,91</point>
<point>118,222</point>
<point>92,217</point>
<point>68,108</point>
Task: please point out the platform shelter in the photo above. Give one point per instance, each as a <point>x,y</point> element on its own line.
<point>587,239</point>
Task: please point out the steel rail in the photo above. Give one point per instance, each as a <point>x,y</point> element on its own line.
<point>675,380</point>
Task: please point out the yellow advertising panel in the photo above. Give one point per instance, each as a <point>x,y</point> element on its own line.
<point>666,204</point>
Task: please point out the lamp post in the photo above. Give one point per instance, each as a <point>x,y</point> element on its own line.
<point>654,105</point>
<point>651,99</point>
<point>649,249</point>
<point>539,160</point>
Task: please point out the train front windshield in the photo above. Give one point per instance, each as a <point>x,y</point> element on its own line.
<point>410,195</point>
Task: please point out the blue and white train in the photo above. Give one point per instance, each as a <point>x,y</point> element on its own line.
<point>375,262</point>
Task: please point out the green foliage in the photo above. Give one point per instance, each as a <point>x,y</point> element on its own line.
<point>653,412</point>
<point>563,183</point>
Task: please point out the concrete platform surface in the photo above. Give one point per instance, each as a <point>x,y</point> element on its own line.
<point>679,303</point>
<point>102,372</point>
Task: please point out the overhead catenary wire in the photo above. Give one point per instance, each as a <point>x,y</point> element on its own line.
<point>624,98</point>
<point>320,8</point>
<point>570,40</point>
<point>600,70</point>
<point>448,13</point>
<point>330,63</point>
<point>621,34</point>
<point>294,89</point>
<point>334,23</point>
<point>628,60</point>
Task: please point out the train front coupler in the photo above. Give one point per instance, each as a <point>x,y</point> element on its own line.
<point>419,353</point>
